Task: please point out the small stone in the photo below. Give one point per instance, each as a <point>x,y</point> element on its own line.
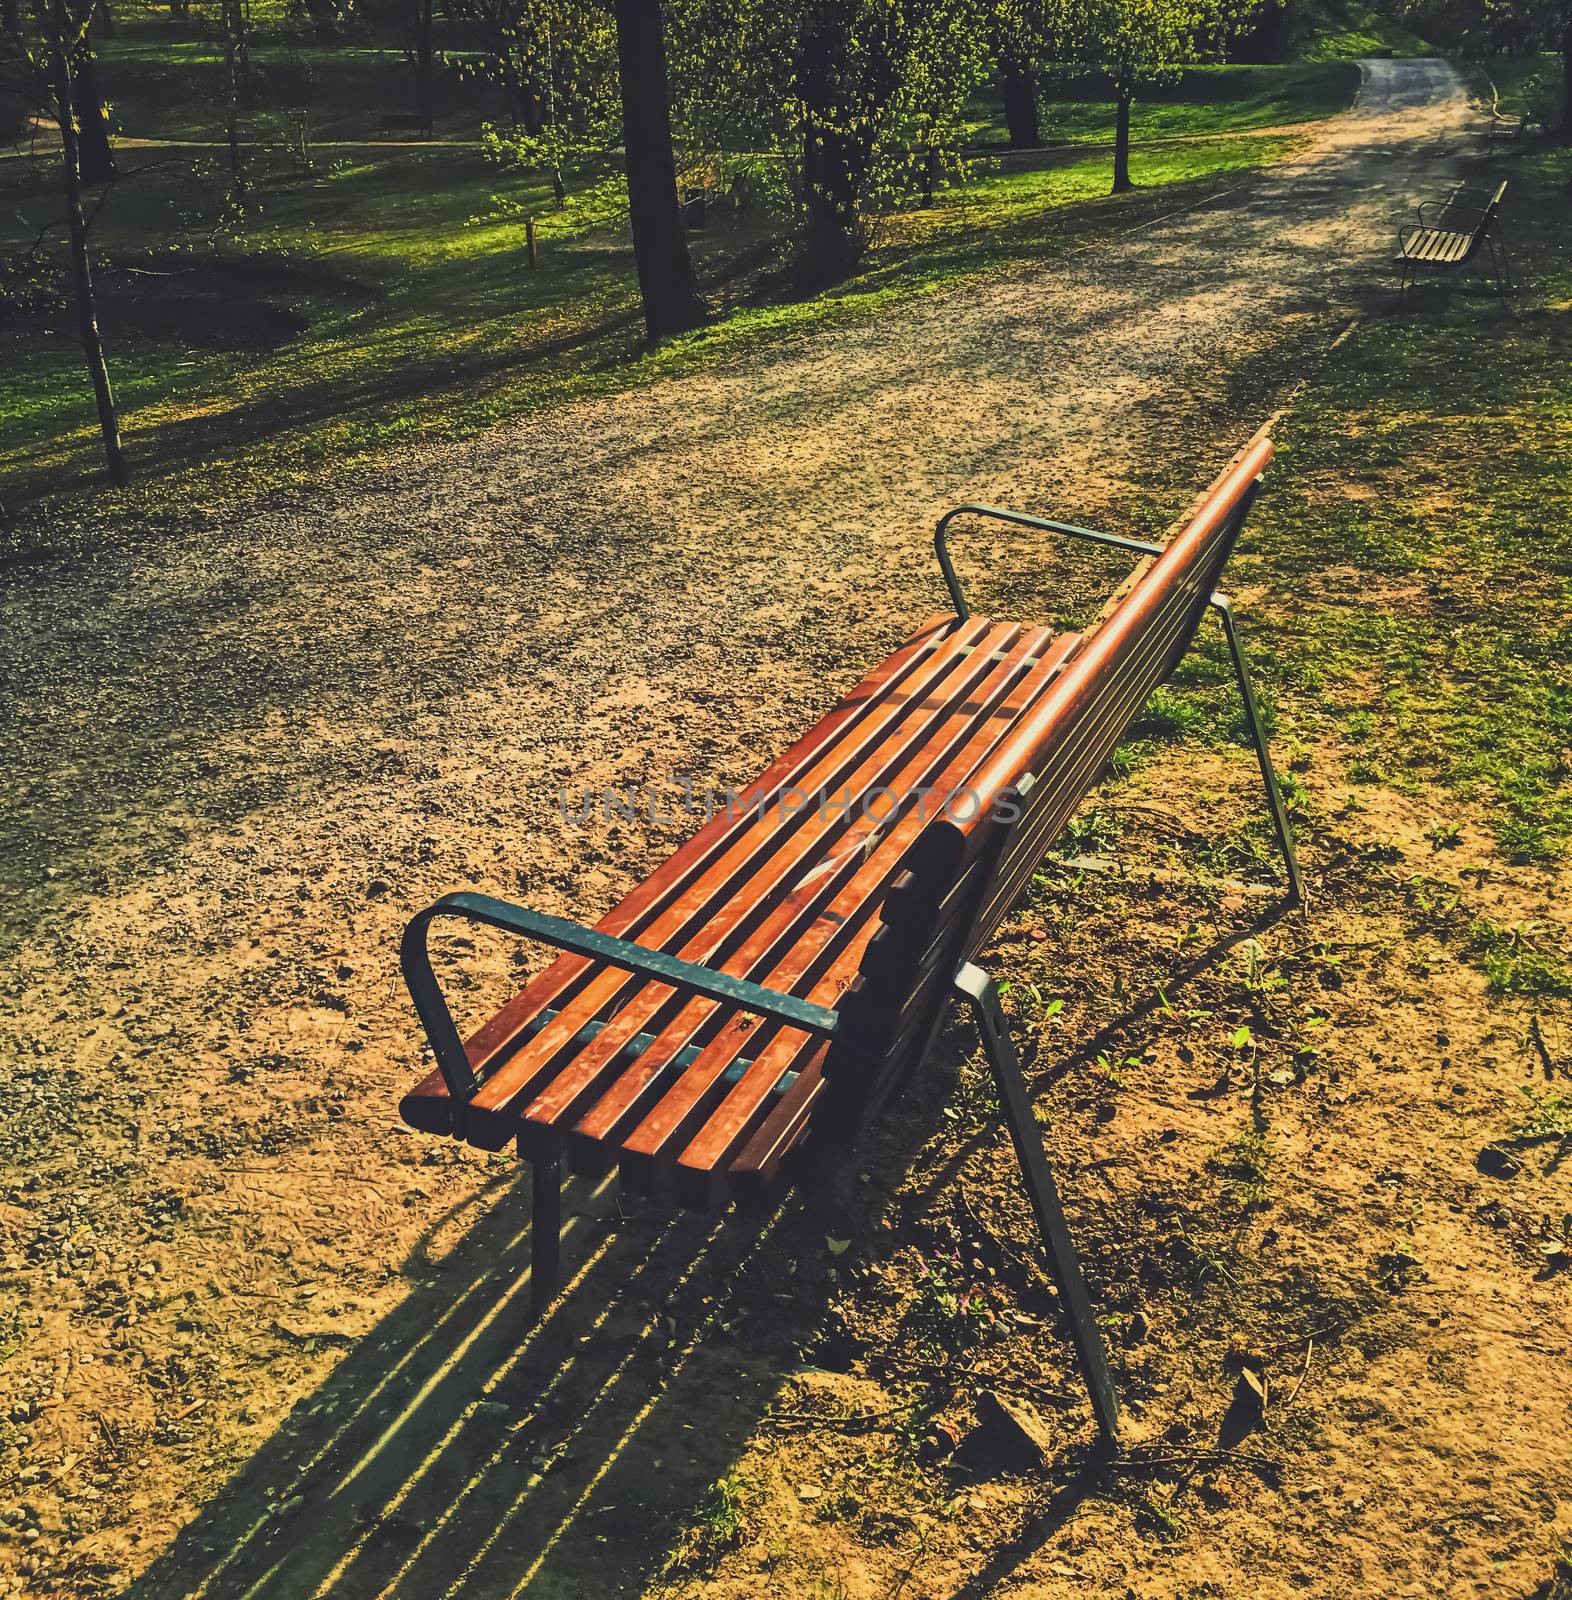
<point>940,1442</point>
<point>1014,1425</point>
<point>1495,1162</point>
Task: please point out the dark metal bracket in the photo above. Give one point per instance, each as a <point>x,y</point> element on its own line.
<point>1021,519</point>
<point>977,989</point>
<point>1219,603</point>
<point>1263,750</point>
<point>686,977</point>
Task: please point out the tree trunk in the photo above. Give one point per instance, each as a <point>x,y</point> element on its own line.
<point>1121,183</point>
<point>832,158</point>
<point>96,163</point>
<point>1566,71</point>
<point>423,61</point>
<point>1019,89</point>
<point>234,62</point>
<point>82,272</point>
<point>660,247</point>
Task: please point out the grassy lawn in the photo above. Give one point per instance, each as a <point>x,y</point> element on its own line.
<point>1347,30</point>
<point>1415,552</point>
<point>166,87</point>
<point>386,295</point>
<point>1202,100</point>
<point>1513,79</point>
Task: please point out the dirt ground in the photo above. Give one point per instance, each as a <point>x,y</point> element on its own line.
<point>259,1340</point>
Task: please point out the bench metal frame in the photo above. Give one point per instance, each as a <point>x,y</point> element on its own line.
<point>1218,603</point>
<point>970,984</point>
<point>1486,231</point>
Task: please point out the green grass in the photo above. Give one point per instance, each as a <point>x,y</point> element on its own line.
<point>1346,31</point>
<point>1417,543</point>
<point>719,1523</point>
<point>421,318</point>
<point>1519,961</point>
<point>385,296</point>
<point>1521,84</point>
<point>163,82</point>
<point>1201,101</point>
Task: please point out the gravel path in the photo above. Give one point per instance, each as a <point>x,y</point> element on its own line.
<point>239,757</point>
<point>604,575</point>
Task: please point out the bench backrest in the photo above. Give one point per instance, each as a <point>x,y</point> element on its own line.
<point>967,868</point>
<point>1487,219</point>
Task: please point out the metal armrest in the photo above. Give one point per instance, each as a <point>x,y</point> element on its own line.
<point>687,977</point>
<point>1021,519</point>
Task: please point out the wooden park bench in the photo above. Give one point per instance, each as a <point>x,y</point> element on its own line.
<point>406,122</point>
<point>747,1012</point>
<point>1449,233</point>
<point>1501,128</point>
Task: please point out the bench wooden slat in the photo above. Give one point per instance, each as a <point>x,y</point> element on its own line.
<point>758,1171</point>
<point>782,849</point>
<point>714,866</point>
<point>701,1165</point>
<point>427,1107</point>
<point>808,925</point>
<point>1441,246</point>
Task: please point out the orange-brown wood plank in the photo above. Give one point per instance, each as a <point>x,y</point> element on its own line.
<point>709,901</point>
<point>701,1164</point>
<point>490,1045</point>
<point>755,1175</point>
<point>810,872</point>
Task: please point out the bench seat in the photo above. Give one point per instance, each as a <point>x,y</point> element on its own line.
<point>785,887</point>
<point>1439,246</point>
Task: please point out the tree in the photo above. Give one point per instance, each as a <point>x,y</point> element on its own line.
<point>1540,25</point>
<point>1018,43</point>
<point>232,23</point>
<point>1483,27</point>
<point>660,247</point>
<point>856,104</point>
<point>419,31</point>
<point>45,52</point>
<point>534,51</point>
<point>97,163</point>
<point>1135,43</point>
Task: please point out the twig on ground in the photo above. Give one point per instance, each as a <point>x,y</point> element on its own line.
<point>1305,1373</point>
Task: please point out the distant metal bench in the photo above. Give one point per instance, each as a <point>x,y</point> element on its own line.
<point>1450,232</point>
<point>406,122</point>
<point>746,1013</point>
<point>1499,128</point>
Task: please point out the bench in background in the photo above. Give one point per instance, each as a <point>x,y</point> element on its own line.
<point>1449,234</point>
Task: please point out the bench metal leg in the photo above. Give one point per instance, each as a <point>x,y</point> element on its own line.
<point>977,989</point>
<point>545,1234</point>
<point>1263,751</point>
